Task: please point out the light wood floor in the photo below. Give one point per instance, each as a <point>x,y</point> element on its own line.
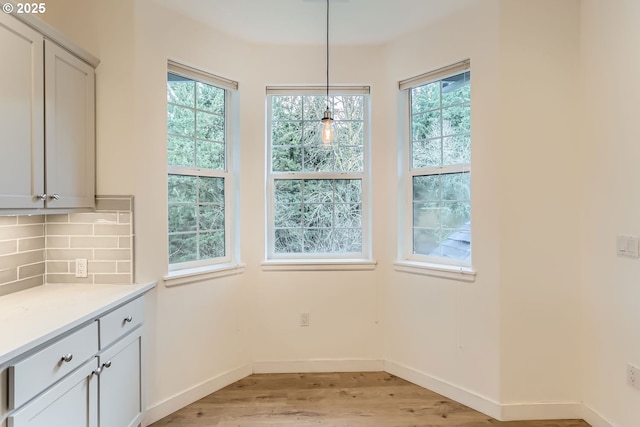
<point>358,399</point>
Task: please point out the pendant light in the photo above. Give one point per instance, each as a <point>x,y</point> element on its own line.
<point>328,130</point>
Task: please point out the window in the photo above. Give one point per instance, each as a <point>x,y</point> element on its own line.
<point>317,195</point>
<point>438,171</point>
<point>198,159</point>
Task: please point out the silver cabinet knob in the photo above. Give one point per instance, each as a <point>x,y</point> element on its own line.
<point>67,357</point>
<point>128,319</point>
<point>54,196</point>
<point>42,196</point>
<point>98,371</point>
<point>107,365</point>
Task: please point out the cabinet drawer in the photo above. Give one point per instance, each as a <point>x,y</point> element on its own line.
<point>120,321</point>
<point>37,372</point>
<point>70,403</point>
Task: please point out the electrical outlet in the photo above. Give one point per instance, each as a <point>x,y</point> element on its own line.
<point>633,376</point>
<point>304,319</point>
<point>81,267</point>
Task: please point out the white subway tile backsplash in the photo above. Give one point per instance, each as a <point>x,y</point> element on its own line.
<point>94,242</point>
<point>94,218</point>
<point>69,229</point>
<point>31,244</point>
<point>124,218</point>
<point>117,279</point>
<point>31,270</point>
<point>22,258</point>
<point>57,242</point>
<point>113,254</point>
<point>56,218</point>
<point>31,219</point>
<point>124,266</point>
<point>8,247</point>
<point>9,275</point>
<point>102,267</point>
<point>124,242</point>
<point>8,220</point>
<point>69,254</point>
<point>112,229</point>
<point>38,247</point>
<point>68,278</point>
<point>21,231</point>
<point>21,285</point>
<point>58,267</point>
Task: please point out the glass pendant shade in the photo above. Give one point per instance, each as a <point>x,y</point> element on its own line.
<point>328,130</point>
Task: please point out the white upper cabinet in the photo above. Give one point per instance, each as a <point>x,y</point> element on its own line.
<point>47,123</point>
<point>70,129</point>
<point>21,115</point>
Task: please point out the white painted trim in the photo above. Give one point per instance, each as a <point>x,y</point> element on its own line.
<point>199,274</point>
<point>460,273</point>
<point>542,411</point>
<point>594,419</point>
<point>321,365</point>
<point>475,401</point>
<point>197,392</point>
<point>319,264</point>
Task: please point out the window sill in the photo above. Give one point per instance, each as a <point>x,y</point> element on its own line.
<point>463,274</point>
<point>319,265</point>
<point>199,274</point>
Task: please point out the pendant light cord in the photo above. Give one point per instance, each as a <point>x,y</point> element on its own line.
<point>327,54</point>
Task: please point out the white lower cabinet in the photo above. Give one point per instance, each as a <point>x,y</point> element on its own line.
<point>4,399</point>
<point>80,379</point>
<point>70,403</point>
<point>120,391</point>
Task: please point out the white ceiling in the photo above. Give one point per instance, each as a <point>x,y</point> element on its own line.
<point>302,22</point>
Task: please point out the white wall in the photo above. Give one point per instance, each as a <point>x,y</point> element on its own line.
<point>199,331</point>
<point>544,185</point>
<point>510,337</point>
<point>204,329</point>
<point>441,329</point>
<point>343,306</point>
<point>609,139</point>
<point>540,174</point>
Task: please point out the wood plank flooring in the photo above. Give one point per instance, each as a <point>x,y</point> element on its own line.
<point>371,399</point>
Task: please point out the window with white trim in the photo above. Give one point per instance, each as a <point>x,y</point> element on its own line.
<point>318,195</point>
<point>438,168</point>
<point>198,165</point>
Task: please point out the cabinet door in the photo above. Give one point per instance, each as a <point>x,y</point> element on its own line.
<point>4,387</point>
<point>21,115</point>
<point>70,403</point>
<point>121,383</point>
<point>70,129</point>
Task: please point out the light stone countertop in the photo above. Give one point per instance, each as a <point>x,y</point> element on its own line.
<point>34,316</point>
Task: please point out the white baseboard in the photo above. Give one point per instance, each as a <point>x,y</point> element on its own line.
<point>593,418</point>
<point>502,412</point>
<point>466,397</point>
<point>320,365</point>
<point>542,411</point>
<point>197,392</point>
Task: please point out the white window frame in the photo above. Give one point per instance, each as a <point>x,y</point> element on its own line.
<point>328,261</point>
<point>186,272</point>
<point>408,261</point>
